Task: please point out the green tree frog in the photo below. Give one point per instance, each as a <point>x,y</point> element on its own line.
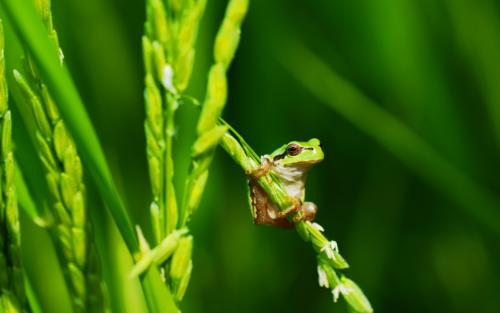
<point>290,164</point>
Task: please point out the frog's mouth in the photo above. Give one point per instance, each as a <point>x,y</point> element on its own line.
<point>301,166</point>
<point>305,163</point>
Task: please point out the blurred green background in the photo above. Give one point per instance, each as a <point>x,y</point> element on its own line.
<point>419,228</point>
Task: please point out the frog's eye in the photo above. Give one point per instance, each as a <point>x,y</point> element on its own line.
<point>293,149</point>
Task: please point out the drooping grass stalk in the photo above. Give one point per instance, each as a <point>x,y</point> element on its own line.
<point>64,175</point>
<point>209,133</point>
<point>330,262</point>
<point>208,137</point>
<point>12,291</point>
<point>168,46</point>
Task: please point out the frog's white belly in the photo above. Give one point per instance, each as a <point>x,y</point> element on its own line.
<point>293,178</point>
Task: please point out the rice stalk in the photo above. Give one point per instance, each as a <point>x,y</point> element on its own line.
<point>168,48</point>
<point>64,176</point>
<point>209,133</point>
<point>330,262</point>
<point>12,292</point>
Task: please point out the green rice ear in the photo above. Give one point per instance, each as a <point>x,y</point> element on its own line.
<point>12,291</point>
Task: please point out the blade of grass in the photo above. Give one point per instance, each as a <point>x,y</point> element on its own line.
<point>124,295</point>
<point>29,27</point>
<point>392,134</point>
<point>477,27</point>
<point>32,296</point>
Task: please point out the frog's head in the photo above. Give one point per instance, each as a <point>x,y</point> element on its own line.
<point>299,153</point>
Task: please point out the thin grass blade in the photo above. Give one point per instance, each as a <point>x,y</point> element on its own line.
<point>31,30</point>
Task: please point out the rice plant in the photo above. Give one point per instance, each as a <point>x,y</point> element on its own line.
<point>168,46</point>
<point>12,293</point>
<point>114,196</point>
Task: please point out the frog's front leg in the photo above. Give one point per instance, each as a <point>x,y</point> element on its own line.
<point>262,170</point>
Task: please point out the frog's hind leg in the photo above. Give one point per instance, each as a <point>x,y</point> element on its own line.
<point>293,209</point>
<point>264,211</point>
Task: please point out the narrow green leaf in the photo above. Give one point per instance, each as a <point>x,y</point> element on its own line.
<point>32,296</point>
<point>31,31</point>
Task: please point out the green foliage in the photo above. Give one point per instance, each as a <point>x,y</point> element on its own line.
<point>64,176</point>
<point>402,94</point>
